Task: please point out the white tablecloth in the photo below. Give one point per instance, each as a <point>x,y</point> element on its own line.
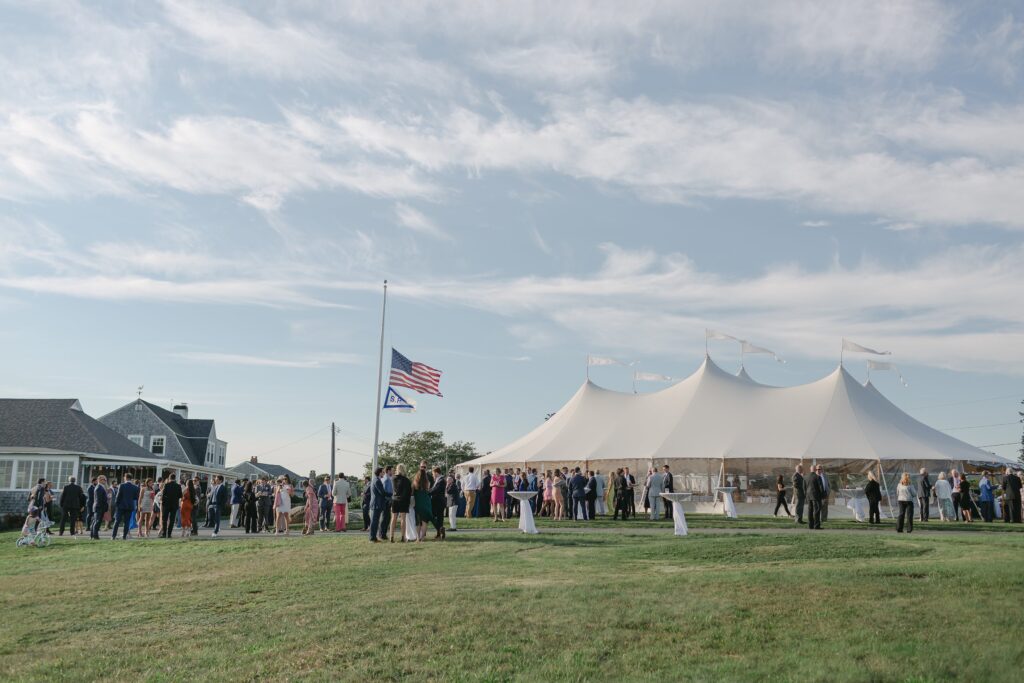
<point>730,506</point>
<point>678,516</point>
<point>859,507</point>
<point>525,511</point>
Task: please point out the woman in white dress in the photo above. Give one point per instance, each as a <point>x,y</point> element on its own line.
<point>282,504</point>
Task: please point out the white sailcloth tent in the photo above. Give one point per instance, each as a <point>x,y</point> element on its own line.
<point>714,423</point>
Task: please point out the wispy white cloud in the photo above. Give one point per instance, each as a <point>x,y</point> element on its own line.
<point>562,64</point>
<point>417,221</point>
<point>839,159</point>
<point>815,224</point>
<point>214,358</point>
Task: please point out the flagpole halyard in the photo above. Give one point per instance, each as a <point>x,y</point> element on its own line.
<point>380,371</point>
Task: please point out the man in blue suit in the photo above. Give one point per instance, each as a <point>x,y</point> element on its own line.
<point>578,490</point>
<point>100,505</point>
<point>217,499</point>
<point>378,502</point>
<point>124,504</point>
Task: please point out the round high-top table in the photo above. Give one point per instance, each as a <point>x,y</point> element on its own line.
<point>525,511</point>
<point>856,502</point>
<point>677,500</point>
<point>730,507</point>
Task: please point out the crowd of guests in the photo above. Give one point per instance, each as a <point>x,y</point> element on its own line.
<point>391,498</point>
<point>559,494</point>
<point>951,495</point>
<point>167,507</point>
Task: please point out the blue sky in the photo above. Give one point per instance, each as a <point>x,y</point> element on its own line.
<point>205,198</point>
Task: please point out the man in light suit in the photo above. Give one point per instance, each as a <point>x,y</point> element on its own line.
<point>124,502</point>
<point>100,505</point>
<point>655,486</point>
<point>378,501</point>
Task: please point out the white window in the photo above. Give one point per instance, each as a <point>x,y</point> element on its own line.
<point>156,445</point>
<point>136,439</point>
<point>6,474</point>
<point>22,472</point>
<point>66,469</point>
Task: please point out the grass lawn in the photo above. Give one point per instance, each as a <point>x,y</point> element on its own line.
<point>495,606</point>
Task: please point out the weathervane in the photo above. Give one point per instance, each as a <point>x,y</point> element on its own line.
<point>138,392</point>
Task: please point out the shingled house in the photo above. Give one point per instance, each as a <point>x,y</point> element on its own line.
<point>253,469</point>
<point>170,434</point>
<point>55,439</point>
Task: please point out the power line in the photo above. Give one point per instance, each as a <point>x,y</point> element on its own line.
<point>993,445</point>
<point>292,443</point>
<point>996,424</point>
<point>957,403</point>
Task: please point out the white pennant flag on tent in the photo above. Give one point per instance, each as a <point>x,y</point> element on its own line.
<point>714,334</point>
<point>747,347</point>
<point>884,365</point>
<point>651,377</point>
<point>603,360</point>
<point>853,346</point>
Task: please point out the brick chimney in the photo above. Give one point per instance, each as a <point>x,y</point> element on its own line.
<point>253,460</point>
<point>181,410</point>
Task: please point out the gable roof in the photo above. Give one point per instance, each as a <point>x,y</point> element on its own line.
<point>193,435</point>
<point>273,470</point>
<point>59,424</point>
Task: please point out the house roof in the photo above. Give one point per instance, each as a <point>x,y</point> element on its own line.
<point>59,424</point>
<point>273,470</point>
<point>192,434</point>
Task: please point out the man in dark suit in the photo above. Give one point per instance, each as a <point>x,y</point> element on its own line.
<point>622,494</point>
<point>378,501</point>
<point>88,504</point>
<point>170,501</point>
<point>591,495</point>
<point>577,488</point>
<point>669,488</point>
<point>630,486</point>
<point>815,494</point>
<point>484,505</point>
<point>799,493</point>
<point>1011,488</point>
<point>71,503</point>
<point>924,493</point>
<point>100,505</point>
<point>823,507</point>
<point>124,502</point>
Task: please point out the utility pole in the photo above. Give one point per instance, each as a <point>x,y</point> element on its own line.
<point>334,430</point>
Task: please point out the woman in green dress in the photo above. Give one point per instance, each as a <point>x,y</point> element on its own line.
<point>421,495</point>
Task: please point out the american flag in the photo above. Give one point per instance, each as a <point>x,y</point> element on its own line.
<point>416,376</point>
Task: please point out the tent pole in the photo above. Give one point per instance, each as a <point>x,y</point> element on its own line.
<point>888,498</point>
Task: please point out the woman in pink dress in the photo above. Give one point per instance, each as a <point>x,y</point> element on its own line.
<point>549,496</point>
<point>498,495</point>
<point>312,510</point>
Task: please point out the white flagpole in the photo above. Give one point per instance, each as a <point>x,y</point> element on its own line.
<point>380,371</point>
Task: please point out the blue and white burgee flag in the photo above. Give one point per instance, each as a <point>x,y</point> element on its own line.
<point>394,401</point>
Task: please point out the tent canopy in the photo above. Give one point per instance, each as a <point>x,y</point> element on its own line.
<point>713,414</point>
